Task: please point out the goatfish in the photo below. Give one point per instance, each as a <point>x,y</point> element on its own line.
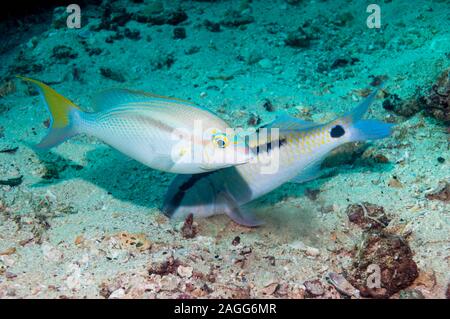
<point>302,146</point>
<point>163,133</point>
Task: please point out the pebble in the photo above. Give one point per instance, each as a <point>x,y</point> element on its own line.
<point>184,272</point>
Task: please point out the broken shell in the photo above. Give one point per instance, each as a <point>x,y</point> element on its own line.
<point>342,285</point>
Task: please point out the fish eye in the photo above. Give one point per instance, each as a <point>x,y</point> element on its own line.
<point>220,140</point>
<point>337,131</point>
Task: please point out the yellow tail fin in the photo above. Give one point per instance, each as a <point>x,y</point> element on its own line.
<point>61,110</point>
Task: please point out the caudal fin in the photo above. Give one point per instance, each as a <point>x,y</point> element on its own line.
<point>63,115</point>
<point>371,130</point>
<point>362,130</point>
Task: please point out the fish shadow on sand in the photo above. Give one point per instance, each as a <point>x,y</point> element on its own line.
<point>130,181</point>
<point>123,178</point>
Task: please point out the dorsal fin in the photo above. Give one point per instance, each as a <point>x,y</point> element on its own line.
<point>358,112</point>
<point>112,98</point>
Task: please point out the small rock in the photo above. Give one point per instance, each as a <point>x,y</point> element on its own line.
<point>189,228</point>
<point>165,267</point>
<point>392,256</point>
<point>314,288</point>
<point>184,271</point>
<point>406,108</point>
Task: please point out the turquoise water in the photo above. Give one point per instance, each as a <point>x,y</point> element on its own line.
<point>70,217</point>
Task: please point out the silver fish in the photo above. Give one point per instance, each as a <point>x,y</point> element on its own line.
<point>163,133</point>
<point>302,146</point>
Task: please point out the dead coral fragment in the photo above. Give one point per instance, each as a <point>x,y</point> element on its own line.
<point>386,260</point>
<point>367,215</point>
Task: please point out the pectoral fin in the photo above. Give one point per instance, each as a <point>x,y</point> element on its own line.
<point>310,172</point>
<point>235,212</point>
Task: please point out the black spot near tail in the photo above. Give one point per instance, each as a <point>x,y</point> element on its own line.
<point>337,131</point>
